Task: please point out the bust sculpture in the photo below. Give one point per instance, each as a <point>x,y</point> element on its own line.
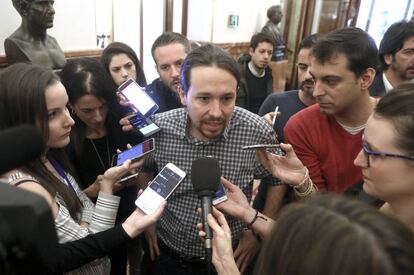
<point>274,14</point>
<point>30,42</point>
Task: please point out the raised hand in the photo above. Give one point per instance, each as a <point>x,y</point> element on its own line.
<point>287,168</point>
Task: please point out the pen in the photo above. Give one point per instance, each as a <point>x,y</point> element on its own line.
<point>274,118</point>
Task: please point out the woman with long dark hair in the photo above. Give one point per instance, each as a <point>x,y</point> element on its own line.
<point>31,94</point>
<point>97,136</point>
<point>121,63</point>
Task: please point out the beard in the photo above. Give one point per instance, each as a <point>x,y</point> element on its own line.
<point>307,86</point>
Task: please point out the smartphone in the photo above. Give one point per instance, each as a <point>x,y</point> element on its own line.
<point>273,148</point>
<point>260,146</point>
<point>160,188</point>
<point>143,124</point>
<point>220,195</point>
<point>140,100</point>
<point>134,153</point>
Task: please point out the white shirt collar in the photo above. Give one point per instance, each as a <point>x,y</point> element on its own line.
<point>387,84</point>
<point>253,70</point>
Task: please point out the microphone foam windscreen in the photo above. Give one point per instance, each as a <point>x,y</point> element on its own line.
<point>205,175</point>
<point>18,146</point>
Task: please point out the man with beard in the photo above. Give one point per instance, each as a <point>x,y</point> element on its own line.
<point>169,51</point>
<point>292,102</point>
<point>327,136</point>
<point>396,57</point>
<point>289,103</point>
<point>256,76</point>
<point>208,125</point>
<point>30,42</point>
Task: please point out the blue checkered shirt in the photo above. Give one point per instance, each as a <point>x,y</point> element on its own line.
<point>177,226</point>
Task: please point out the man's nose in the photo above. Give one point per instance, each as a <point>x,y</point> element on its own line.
<point>215,109</point>
<point>175,70</point>
<point>318,89</point>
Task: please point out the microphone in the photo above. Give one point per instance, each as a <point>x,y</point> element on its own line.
<point>205,177</point>
<point>18,146</point>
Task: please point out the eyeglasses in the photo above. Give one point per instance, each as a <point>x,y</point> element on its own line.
<point>368,152</point>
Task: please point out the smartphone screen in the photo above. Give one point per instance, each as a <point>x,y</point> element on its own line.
<point>144,125</point>
<point>136,95</point>
<point>135,152</point>
<point>160,188</point>
<point>220,195</point>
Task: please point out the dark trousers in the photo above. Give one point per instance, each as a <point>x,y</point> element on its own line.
<point>131,252</point>
<point>170,263</point>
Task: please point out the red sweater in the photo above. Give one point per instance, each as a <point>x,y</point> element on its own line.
<point>325,148</point>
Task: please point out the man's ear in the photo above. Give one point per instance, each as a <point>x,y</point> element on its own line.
<point>183,96</point>
<point>251,51</point>
<point>388,58</point>
<point>367,78</point>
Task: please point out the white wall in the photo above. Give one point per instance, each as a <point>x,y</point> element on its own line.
<point>252,17</point>
<point>126,23</point>
<point>177,16</point>
<point>202,25</point>
<point>154,14</point>
<point>199,26</point>
<point>383,15</point>
<point>74,25</point>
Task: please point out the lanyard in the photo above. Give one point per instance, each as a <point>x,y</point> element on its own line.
<point>61,172</point>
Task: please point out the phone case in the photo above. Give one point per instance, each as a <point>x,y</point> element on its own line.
<point>152,144</point>
<point>140,92</point>
<point>150,199</point>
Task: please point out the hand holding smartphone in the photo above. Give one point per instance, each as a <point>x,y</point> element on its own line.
<point>144,125</point>
<point>142,105</point>
<point>134,153</point>
<point>220,195</point>
<point>160,188</point>
<point>141,102</point>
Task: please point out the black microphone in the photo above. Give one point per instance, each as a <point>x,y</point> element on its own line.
<point>18,146</point>
<point>205,176</point>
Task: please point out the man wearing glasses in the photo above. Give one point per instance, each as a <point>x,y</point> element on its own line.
<point>327,136</point>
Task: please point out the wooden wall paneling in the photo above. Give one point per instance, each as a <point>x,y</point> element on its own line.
<point>287,17</point>
<point>94,53</point>
<point>303,29</point>
<point>169,12</point>
<point>184,21</point>
<point>329,16</point>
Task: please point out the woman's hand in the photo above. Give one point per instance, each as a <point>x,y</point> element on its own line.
<point>138,221</point>
<point>287,168</point>
<point>111,177</point>
<point>223,259</point>
<point>236,204</point>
